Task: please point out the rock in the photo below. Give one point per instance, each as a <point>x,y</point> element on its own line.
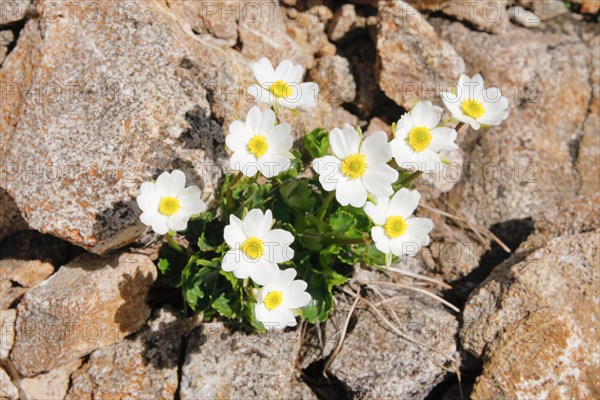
<point>30,273</point>
<point>13,11</point>
<point>263,33</point>
<point>571,217</point>
<point>307,29</point>
<point>211,19</point>
<point>455,250</point>
<point>10,216</point>
<point>7,331</point>
<point>377,124</point>
<point>143,366</point>
<point>589,7</point>
<point>113,121</point>
<point>523,17</point>
<point>333,75</point>
<point>7,389</point>
<point>342,22</point>
<point>375,362</point>
<point>515,169</point>
<point>366,86</point>
<point>88,303</point>
<point>300,390</point>
<point>588,156</point>
<point>486,15</point>
<point>411,59</point>
<point>10,292</point>
<point>324,115</point>
<point>545,10</point>
<point>6,38</point>
<point>220,363</point>
<point>533,322</point>
<point>52,385</point>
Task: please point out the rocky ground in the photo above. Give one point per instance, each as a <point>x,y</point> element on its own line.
<point>98,96</point>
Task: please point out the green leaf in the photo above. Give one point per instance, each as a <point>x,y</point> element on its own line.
<point>297,195</point>
<point>316,143</point>
<point>342,221</point>
<point>231,278</point>
<point>164,265</point>
<point>221,304</point>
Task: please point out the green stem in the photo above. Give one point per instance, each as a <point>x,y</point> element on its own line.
<point>325,205</point>
<point>229,193</point>
<point>351,241</point>
<point>173,244</point>
<point>411,178</point>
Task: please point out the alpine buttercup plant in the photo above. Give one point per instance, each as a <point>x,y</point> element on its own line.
<point>274,245</point>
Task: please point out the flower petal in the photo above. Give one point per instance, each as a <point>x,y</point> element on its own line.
<point>382,241</point>
<point>148,200</point>
<point>256,223</point>
<point>190,200</point>
<point>404,202</point>
<point>426,114</point>
<point>378,180</point>
<point>277,245</point>
<point>273,164</point>
<point>170,184</point>
<point>263,71</point>
<point>443,139</point>
<point>378,213</point>
<point>328,168</point>
<point>376,148</point>
<point>351,192</point>
<point>344,142</point>
<point>234,233</point>
<point>280,139</point>
<point>178,222</point>
<point>263,271</point>
<point>244,162</point>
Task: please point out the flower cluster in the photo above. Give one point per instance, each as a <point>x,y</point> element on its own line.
<point>240,263</point>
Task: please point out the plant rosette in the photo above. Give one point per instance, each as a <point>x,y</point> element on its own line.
<point>240,264</point>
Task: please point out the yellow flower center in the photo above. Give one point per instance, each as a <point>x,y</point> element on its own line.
<point>273,300</point>
<point>354,166</point>
<point>419,138</point>
<point>281,89</point>
<point>472,108</point>
<point>258,145</point>
<point>253,247</point>
<point>169,206</point>
<point>395,226</point>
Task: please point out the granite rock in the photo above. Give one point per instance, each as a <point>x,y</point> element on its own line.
<point>88,303</point>
<point>411,60</point>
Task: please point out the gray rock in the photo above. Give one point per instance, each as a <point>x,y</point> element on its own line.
<point>10,216</point>
<point>7,389</point>
<point>333,75</point>
<point>342,22</point>
<point>7,331</point>
<point>220,363</point>
<point>523,17</point>
<point>513,170</point>
<point>13,11</point>
<point>533,322</point>
<point>544,9</point>
<point>6,38</point>
<point>412,62</point>
<point>143,366</point>
<point>374,362</point>
<point>51,385</point>
<point>115,102</point>
<point>88,303</point>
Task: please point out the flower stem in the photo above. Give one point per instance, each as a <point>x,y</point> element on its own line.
<point>411,178</point>
<point>229,193</point>
<point>173,244</point>
<point>325,205</point>
<point>362,240</point>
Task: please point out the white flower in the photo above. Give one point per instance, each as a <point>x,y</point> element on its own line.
<point>260,145</point>
<point>357,168</point>
<point>282,85</point>
<point>167,205</point>
<point>472,104</point>
<point>279,300</point>
<point>397,231</point>
<point>255,247</point>
<point>418,139</point>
